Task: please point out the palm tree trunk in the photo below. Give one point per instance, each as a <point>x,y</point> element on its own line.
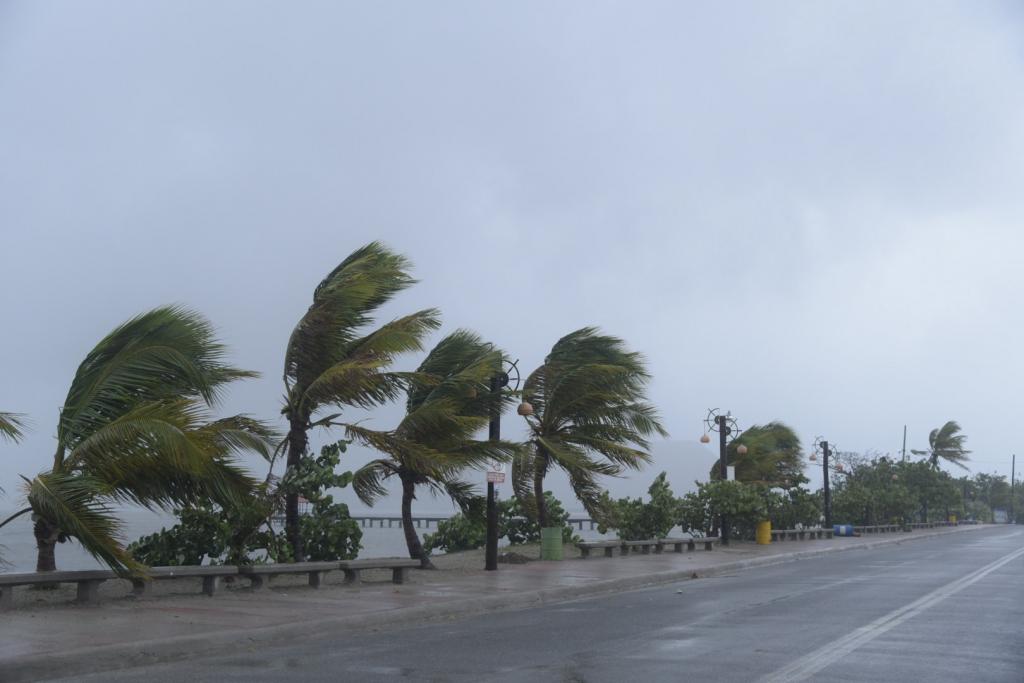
<point>412,539</point>
<point>297,443</point>
<point>46,541</point>
<point>538,494</point>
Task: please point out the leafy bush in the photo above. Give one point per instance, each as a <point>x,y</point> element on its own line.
<point>469,531</point>
<point>636,520</point>
<point>244,535</point>
<point>520,528</point>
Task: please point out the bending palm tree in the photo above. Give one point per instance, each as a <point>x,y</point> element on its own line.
<point>589,402</point>
<point>332,360</point>
<point>135,428</point>
<point>434,442</point>
<point>946,443</point>
<point>774,456</point>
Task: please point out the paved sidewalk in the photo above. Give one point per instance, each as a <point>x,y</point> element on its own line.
<point>36,643</point>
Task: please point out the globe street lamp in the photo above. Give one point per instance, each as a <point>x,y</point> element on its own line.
<point>726,426</point>
<point>495,476</point>
<point>821,445</point>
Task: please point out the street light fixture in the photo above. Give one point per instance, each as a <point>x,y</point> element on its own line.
<point>498,383</point>
<point>726,426</point>
<point>823,446</point>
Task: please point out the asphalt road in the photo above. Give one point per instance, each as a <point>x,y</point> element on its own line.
<point>948,609</point>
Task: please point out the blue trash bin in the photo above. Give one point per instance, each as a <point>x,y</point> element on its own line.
<point>842,530</point>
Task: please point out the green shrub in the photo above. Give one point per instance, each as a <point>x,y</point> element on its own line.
<point>469,531</point>
<point>244,534</point>
<point>635,520</point>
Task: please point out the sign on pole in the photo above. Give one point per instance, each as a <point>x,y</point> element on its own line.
<point>495,477</point>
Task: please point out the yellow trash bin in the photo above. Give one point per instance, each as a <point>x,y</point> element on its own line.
<point>764,533</point>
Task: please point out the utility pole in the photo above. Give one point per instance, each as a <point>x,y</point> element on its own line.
<point>828,491</point>
<point>723,468</point>
<point>904,443</point>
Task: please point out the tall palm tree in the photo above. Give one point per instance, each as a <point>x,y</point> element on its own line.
<point>434,443</point>
<point>946,443</point>
<point>135,427</point>
<point>774,456</point>
<point>333,360</point>
<point>590,417</point>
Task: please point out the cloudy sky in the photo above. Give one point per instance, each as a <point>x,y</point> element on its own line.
<point>800,211</point>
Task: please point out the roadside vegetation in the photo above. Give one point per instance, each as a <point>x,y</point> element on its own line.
<point>139,426</point>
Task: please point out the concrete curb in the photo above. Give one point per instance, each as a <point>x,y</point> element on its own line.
<point>120,656</point>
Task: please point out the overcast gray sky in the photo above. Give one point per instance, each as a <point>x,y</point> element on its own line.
<point>799,211</point>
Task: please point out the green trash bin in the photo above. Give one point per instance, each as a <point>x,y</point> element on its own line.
<point>551,543</point>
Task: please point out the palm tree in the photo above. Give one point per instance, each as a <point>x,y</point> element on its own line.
<point>773,456</point>
<point>332,360</point>
<point>434,442</point>
<point>590,417</point>
<point>946,443</point>
<point>135,428</point>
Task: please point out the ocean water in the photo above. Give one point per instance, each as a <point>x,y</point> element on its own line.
<point>18,545</point>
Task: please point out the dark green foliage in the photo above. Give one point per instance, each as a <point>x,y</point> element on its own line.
<point>746,504</point>
<point>328,533</point>
<point>636,520</point>
<point>468,531</point>
<point>881,491</point>
<point>520,528</point>
<point>774,457</point>
<point>795,507</point>
<point>243,534</point>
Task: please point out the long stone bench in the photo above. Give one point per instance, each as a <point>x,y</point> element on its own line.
<point>608,547</point>
<point>259,574</point>
<point>399,568</point>
<point>210,574</point>
<point>88,583</point>
<point>643,546</point>
<point>691,543</point>
<point>800,534</point>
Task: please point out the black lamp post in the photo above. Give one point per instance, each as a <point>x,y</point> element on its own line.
<point>498,382</point>
<point>826,451</point>
<point>726,426</point>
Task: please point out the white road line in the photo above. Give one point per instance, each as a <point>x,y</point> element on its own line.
<point>810,664</point>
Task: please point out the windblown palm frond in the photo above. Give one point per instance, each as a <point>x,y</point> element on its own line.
<point>948,444</point>
<point>74,505</point>
<point>333,360</point>
<point>590,418</point>
<point>167,353</point>
<point>12,426</point>
<point>136,427</point>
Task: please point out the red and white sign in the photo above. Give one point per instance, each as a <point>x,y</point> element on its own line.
<point>495,477</point>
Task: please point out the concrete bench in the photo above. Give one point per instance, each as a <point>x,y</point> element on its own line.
<point>88,583</point>
<point>210,574</point>
<point>399,568</point>
<point>638,546</point>
<point>691,543</point>
<point>259,574</point>
<point>608,547</point>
